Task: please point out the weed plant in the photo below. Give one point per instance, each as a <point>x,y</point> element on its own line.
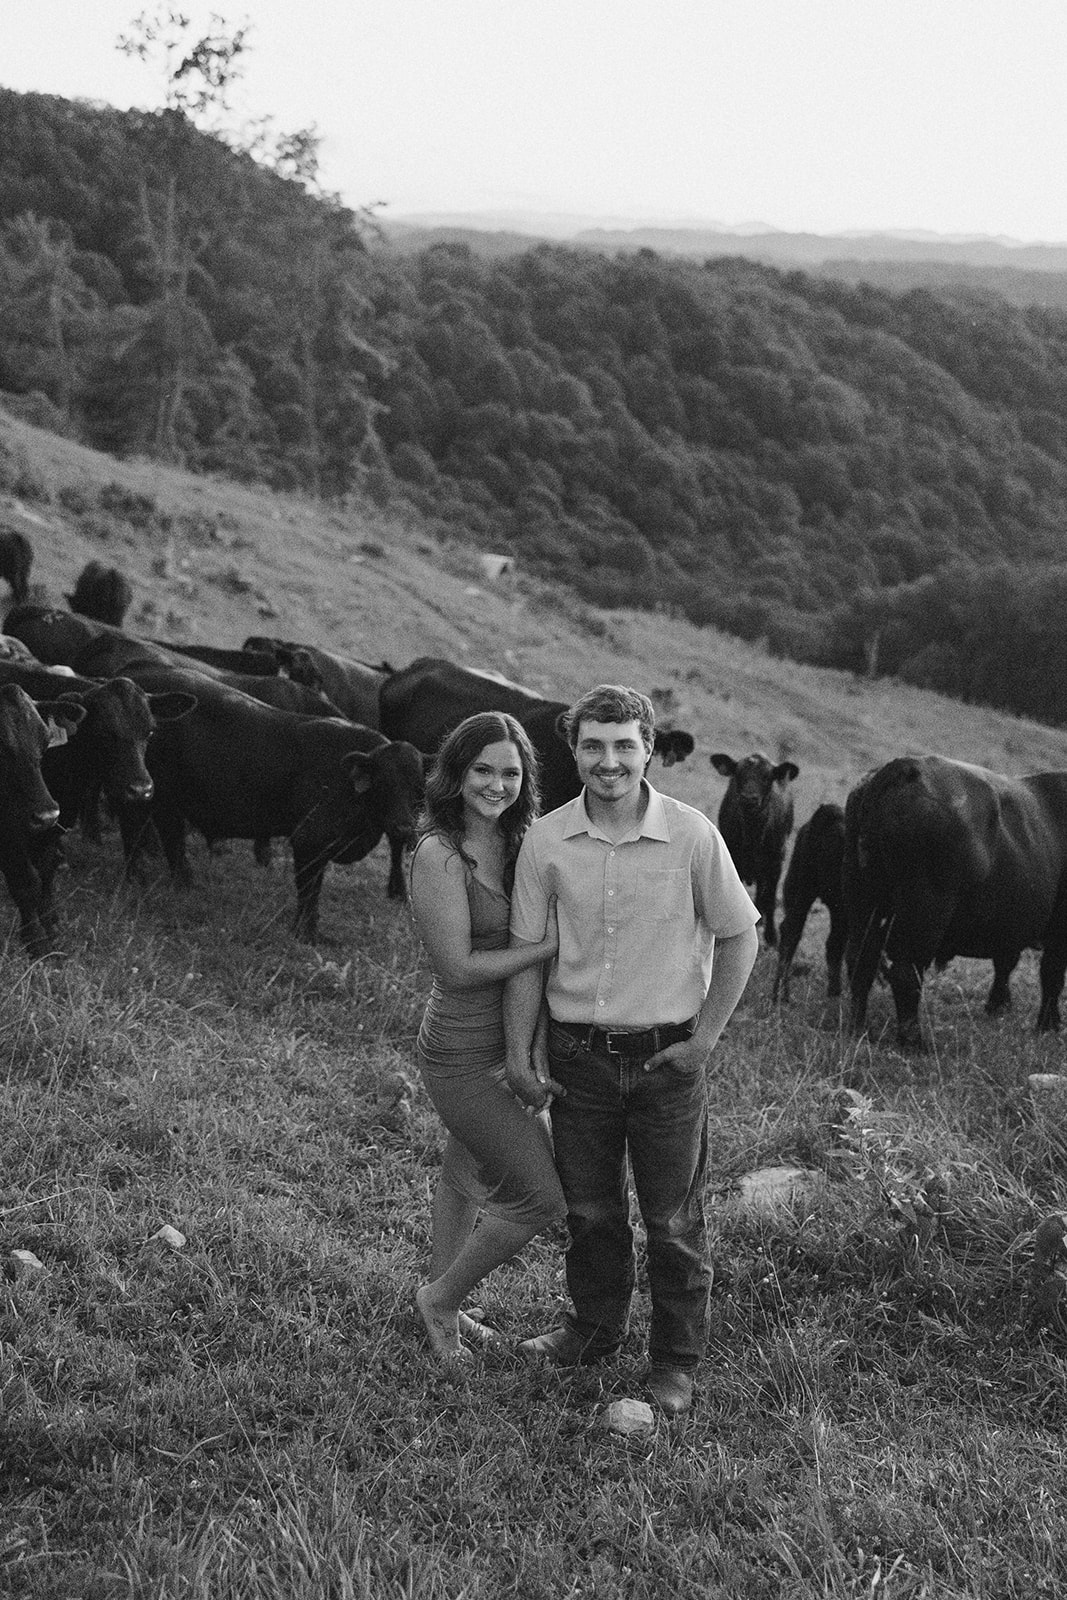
<point>254,1413</point>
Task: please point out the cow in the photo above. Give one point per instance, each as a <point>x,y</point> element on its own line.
<point>103,593</point>
<point>29,816</point>
<point>756,819</point>
<point>673,744</point>
<point>107,751</point>
<point>16,559</point>
<point>425,700</point>
<point>352,685</point>
<point>814,873</point>
<point>946,859</point>
<point>253,663</point>
<point>100,650</point>
<point>238,769</point>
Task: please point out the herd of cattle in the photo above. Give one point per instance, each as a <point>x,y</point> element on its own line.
<point>928,859</point>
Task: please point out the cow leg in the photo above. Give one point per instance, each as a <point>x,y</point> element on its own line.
<point>396,889</point>
<point>48,856</point>
<point>25,887</point>
<point>835,951</point>
<point>170,826</point>
<point>1053,967</point>
<point>1000,994</point>
<point>766,905</point>
<point>309,873</point>
<point>863,959</point>
<point>792,928</point>
<point>906,980</point>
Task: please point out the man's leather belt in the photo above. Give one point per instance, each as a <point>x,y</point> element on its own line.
<point>619,1042</point>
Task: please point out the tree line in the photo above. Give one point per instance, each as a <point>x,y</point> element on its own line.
<point>846,472</point>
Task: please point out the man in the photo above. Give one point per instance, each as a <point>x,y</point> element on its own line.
<point>656,941</point>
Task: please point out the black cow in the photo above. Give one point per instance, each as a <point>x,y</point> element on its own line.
<point>238,769</point>
<point>352,685</point>
<point>945,859</point>
<point>756,819</point>
<point>424,701</point>
<point>103,593</point>
<point>16,559</point>
<point>96,649</point>
<point>29,816</point>
<point>253,663</point>
<point>814,873</point>
<point>673,744</point>
<point>107,751</point>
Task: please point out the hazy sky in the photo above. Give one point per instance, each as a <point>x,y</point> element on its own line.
<point>949,115</point>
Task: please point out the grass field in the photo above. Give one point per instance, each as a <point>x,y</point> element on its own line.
<point>253,1413</point>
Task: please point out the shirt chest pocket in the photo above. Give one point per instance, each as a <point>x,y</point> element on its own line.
<point>662,895</point>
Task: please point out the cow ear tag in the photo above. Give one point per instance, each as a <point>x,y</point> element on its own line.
<point>57,734</point>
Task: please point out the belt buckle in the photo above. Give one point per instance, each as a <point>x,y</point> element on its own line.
<point>610,1048</point>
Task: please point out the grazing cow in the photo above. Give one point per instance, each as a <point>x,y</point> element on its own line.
<point>424,701</point>
<point>106,753</point>
<point>945,859</point>
<point>238,769</point>
<point>814,873</point>
<point>256,663</point>
<point>16,559</point>
<point>100,650</point>
<point>352,685</point>
<point>102,593</point>
<point>756,819</point>
<point>29,835</point>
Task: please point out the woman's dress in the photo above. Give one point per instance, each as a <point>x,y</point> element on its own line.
<point>496,1155</point>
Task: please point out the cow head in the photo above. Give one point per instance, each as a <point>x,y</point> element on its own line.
<point>753,780</point>
<point>673,744</point>
<point>26,732</point>
<point>392,780</point>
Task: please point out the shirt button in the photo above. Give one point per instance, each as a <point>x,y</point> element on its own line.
<point>600,1002</point>
<point>607,966</point>
<point>610,893</point>
<point>611,930</point>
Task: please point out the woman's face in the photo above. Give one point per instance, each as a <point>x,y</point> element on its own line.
<point>492,781</point>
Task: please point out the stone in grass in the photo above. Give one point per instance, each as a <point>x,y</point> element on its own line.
<point>170,1236</point>
<point>775,1186</point>
<point>627,1417</point>
<point>26,1264</point>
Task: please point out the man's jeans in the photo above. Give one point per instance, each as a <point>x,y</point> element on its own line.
<point>613,1105</point>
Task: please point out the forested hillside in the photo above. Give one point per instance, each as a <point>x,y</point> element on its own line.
<point>863,478</point>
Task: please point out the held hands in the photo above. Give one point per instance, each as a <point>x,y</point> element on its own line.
<point>533,1087</point>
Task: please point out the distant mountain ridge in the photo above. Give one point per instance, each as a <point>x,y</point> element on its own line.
<point>756,240</point>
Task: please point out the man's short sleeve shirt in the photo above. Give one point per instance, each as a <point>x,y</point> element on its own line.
<point>638,917</point>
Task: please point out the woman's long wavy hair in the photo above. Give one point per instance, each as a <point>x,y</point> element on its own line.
<point>442,811</point>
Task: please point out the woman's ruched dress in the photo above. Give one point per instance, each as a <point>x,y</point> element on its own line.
<point>496,1155</point>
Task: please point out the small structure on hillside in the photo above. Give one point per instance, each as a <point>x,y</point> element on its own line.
<point>494,567</point>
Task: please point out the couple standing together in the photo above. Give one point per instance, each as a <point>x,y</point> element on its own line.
<point>630,903</point>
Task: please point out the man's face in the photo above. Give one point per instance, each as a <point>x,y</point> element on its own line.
<point>611,758</point>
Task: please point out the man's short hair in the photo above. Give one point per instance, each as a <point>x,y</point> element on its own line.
<point>611,702</point>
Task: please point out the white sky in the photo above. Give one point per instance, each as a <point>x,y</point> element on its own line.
<point>949,115</point>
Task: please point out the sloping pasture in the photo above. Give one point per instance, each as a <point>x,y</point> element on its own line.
<point>253,1413</point>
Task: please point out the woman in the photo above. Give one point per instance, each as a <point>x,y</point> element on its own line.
<point>498,1187</point>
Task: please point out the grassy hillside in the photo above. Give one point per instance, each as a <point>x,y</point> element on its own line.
<point>374,584</point>
<point>249,1410</point>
